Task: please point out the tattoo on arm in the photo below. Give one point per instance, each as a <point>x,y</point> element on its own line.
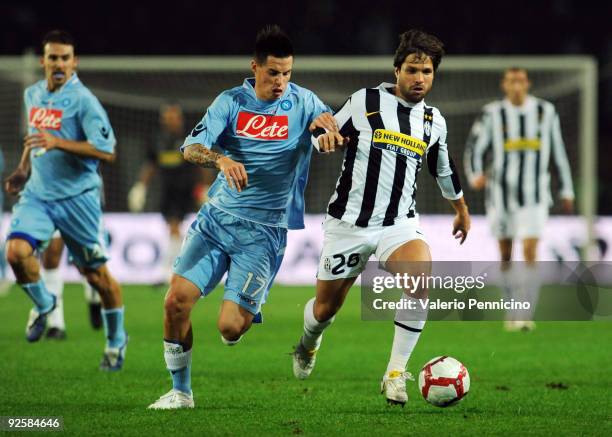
<point>200,155</point>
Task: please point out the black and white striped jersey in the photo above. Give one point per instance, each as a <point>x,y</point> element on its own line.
<point>389,140</point>
<point>520,141</point>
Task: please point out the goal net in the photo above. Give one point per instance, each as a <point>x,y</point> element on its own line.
<point>133,88</point>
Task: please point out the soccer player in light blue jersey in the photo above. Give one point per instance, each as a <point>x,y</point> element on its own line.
<point>262,128</point>
<point>68,135</point>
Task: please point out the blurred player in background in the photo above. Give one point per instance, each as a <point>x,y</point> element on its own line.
<point>184,187</point>
<point>68,135</point>
<point>520,133</point>
<point>262,129</point>
<point>390,132</point>
<point>52,276</point>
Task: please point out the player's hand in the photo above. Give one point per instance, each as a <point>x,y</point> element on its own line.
<point>479,182</point>
<point>567,205</point>
<point>328,142</point>
<point>43,139</point>
<point>15,182</point>
<point>137,197</point>
<point>234,173</point>
<point>461,225</point>
<point>324,121</point>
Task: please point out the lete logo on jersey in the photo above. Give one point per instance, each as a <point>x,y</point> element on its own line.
<point>262,127</point>
<point>45,118</point>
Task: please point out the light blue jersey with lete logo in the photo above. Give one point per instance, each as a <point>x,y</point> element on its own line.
<point>63,191</point>
<point>71,113</point>
<point>244,233</point>
<point>271,140</point>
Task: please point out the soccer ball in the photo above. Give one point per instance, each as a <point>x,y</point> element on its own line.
<point>444,381</point>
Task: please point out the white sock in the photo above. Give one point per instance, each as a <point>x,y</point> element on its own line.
<point>91,295</point>
<point>508,281</point>
<point>409,323</point>
<point>509,285</point>
<point>531,289</point>
<point>54,282</point>
<point>174,248</point>
<point>313,329</point>
<point>175,357</point>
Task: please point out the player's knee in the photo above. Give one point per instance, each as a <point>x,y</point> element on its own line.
<point>176,303</point>
<point>94,278</point>
<point>231,330</point>
<point>100,280</point>
<point>18,251</point>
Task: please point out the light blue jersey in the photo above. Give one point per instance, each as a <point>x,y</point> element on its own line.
<point>271,140</point>
<point>75,114</point>
<point>245,234</point>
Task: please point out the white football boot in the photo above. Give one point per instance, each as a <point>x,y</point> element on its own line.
<point>393,386</point>
<point>303,361</point>
<point>173,400</point>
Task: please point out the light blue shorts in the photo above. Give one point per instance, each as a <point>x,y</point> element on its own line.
<point>78,218</point>
<point>250,253</point>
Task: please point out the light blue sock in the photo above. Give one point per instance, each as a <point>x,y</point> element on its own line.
<point>113,327</point>
<point>178,363</point>
<point>39,295</point>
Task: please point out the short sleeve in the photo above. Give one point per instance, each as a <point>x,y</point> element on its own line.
<point>315,107</point>
<point>212,125</point>
<point>96,125</point>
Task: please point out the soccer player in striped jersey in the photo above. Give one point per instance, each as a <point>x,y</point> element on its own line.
<point>389,134</point>
<point>520,133</point>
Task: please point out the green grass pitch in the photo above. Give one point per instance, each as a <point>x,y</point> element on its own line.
<point>250,390</point>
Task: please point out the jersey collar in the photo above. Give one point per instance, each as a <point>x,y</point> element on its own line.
<point>74,79</point>
<point>529,101</point>
<point>249,85</point>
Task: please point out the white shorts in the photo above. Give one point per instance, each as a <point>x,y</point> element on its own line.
<point>525,222</point>
<point>347,248</point>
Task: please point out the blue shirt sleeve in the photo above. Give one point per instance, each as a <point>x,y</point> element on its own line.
<point>315,107</point>
<point>96,125</point>
<point>212,125</point>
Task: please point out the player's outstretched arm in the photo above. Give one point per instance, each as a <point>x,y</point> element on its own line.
<point>462,221</point>
<point>47,141</point>
<point>234,172</point>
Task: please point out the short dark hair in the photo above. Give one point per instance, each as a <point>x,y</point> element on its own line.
<point>419,43</point>
<point>59,37</point>
<point>272,41</point>
<point>515,69</point>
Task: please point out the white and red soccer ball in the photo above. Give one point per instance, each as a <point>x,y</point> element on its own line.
<point>444,381</point>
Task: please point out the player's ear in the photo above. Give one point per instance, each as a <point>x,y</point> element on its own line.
<point>253,66</point>
<point>397,72</point>
<point>76,61</point>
